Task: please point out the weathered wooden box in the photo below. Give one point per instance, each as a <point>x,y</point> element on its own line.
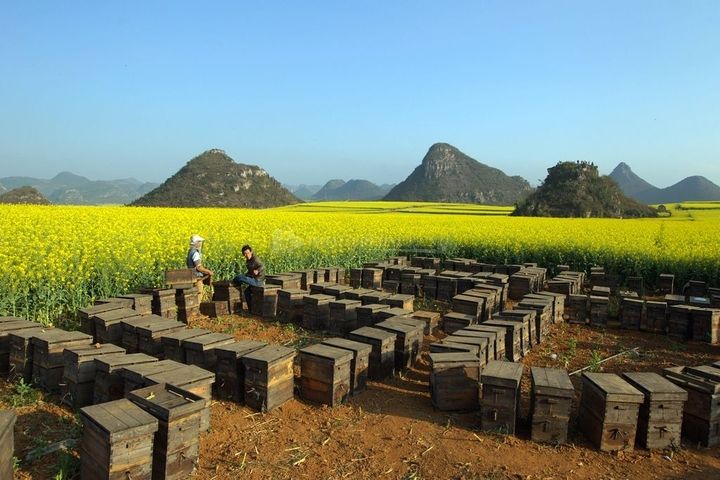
<point>701,415</point>
<point>469,305</point>
<point>13,325</point>
<point>163,302</point>
<point>558,304</point>
<point>79,372</point>
<point>354,294</point>
<point>7,443</point>
<point>356,277</point>
<point>429,286</point>
<point>130,340</point>
<point>599,311</point>
<point>269,378</point>
<point>47,355</point>
<point>513,337</point>
<point>343,316</point>
<point>371,278</point>
<point>285,281</point>
<point>577,309</point>
<point>117,442</point>
<point>405,302</point>
<point>410,284</point>
<point>230,372</point>
<point>109,382</point>
<point>680,321</point>
<point>631,313</point>
<point>214,308</point>
<point>336,290</point>
<point>382,355</point>
<point>454,381</point>
<point>491,338</point>
<point>87,322</point>
<point>172,343</point>
<point>666,283</point>
<point>481,345</point>
<point>454,321</point>
<point>499,341</point>
<point>543,316</point>
<point>150,336</point>
<point>264,300</point>
<point>500,402</point>
<point>108,325</point>
<point>316,311</point>
<point>142,303</point>
<point>20,357</point>
<point>655,317</point>
<point>528,318</point>
<point>706,325</point>
<point>384,314</point>
<point>408,342</point>
<point>290,305</point>
<point>366,313</point>
<point>608,413</point>
<point>431,319</point>
<point>660,418</point>
<point>446,288</point>
<point>374,298</point>
<point>200,350</point>
<point>228,292</point>
<point>359,363</point>
<point>325,374</point>
<point>551,399</point>
<point>135,376</point>
<point>179,413</point>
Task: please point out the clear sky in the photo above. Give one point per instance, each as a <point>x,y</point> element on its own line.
<point>315,90</point>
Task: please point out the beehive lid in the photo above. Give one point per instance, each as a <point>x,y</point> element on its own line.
<point>176,338</point>
<point>705,371</point>
<point>327,352</point>
<point>552,382</point>
<point>120,420</point>
<point>613,388</point>
<point>425,315</point>
<point>10,319</point>
<point>393,325</point>
<point>132,323</point>
<point>374,333</point>
<point>99,308</point>
<point>140,371</point>
<point>480,342</point>
<point>292,291</point>
<point>208,341</point>
<point>318,298</point>
<point>460,316</point>
<point>270,354</point>
<point>87,353</point>
<point>168,402</point>
<point>682,377</point>
<point>484,327</point>
<point>181,376</point>
<point>159,326</point>
<point>55,336</point>
<point>107,363</point>
<point>17,325</point>
<point>114,316</point>
<point>451,357</point>
<point>519,313</point>
<point>351,345</point>
<point>502,374</point>
<point>655,387</point>
<point>373,307</point>
<point>239,348</point>
<point>346,302</point>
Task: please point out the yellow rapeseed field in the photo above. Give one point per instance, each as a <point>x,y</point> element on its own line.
<point>58,258</point>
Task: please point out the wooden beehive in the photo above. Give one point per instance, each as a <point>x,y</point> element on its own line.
<point>117,441</point>
<point>13,325</point>
<point>356,277</point>
<point>405,302</point>
<point>20,356</point>
<point>428,284</point>
<point>543,316</point>
<point>454,321</point>
<point>449,347</point>
<point>454,381</point>
<point>230,372</point>
<point>214,308</point>
<point>47,355</point>
<point>290,305</point>
<point>701,414</point>
<point>130,339</point>
<point>124,302</point>
<point>666,283</point>
<point>200,350</point>
<point>228,292</point>
<point>325,374</point>
<point>382,356</point>
<point>410,284</point>
<point>316,311</point>
<point>680,321</point>
<point>371,278</point>
<point>706,325</point>
<point>150,336</point>
<point>431,320</point>
<point>142,303</point>
<point>336,290</point>
<point>491,337</point>
<point>354,294</point>
<point>359,363</point>
<point>264,300</point>
<point>608,413</point>
<point>285,280</point>
<point>408,342</point>
<point>385,313</point>
<point>87,323</point>
<point>446,288</point>
<point>109,382</point>
<point>577,309</point>
<point>499,340</point>
<point>552,394</point>
<point>134,376</point>
<point>108,325</point>
<point>343,316</point>
<point>7,443</point>
<point>176,446</point>
<point>187,299</point>
<point>79,372</point>
<point>631,313</point>
<point>268,377</point>
<point>599,311</point>
<point>469,305</point>
<point>655,317</point>
<point>558,304</point>
<point>528,317</point>
<point>513,337</point>
<point>366,313</point>
<point>660,417</point>
<point>500,402</point>
<point>482,344</point>
<point>374,298</point>
<point>163,302</point>
<point>172,343</point>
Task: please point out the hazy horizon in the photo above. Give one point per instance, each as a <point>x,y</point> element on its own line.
<point>322,90</point>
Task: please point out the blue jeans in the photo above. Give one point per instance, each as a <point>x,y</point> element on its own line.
<point>250,282</point>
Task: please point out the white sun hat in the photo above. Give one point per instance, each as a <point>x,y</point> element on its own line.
<point>196,238</point>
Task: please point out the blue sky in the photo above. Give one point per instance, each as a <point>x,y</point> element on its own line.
<point>319,90</point>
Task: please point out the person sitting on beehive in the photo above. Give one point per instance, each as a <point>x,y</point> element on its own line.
<point>255,273</point>
<point>194,262</point>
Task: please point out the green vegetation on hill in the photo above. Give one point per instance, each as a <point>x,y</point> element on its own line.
<point>575,189</point>
<point>24,195</point>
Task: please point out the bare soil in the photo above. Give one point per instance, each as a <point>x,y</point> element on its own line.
<point>391,430</point>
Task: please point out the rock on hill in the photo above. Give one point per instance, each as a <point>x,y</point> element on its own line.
<point>213,179</point>
<point>688,189</point>
<point>24,195</point>
<point>351,190</point>
<point>575,189</point>
<point>448,175</point>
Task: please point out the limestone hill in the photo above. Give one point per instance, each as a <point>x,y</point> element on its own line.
<point>24,195</point>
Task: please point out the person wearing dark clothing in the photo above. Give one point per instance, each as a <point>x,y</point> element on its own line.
<point>255,275</point>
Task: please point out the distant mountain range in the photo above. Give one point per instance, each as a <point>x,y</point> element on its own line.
<point>70,189</point>
<point>303,191</point>
<point>351,190</point>
<point>213,179</point>
<point>448,175</point>
<point>689,189</point>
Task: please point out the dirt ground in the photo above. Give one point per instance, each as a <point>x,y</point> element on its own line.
<point>391,430</point>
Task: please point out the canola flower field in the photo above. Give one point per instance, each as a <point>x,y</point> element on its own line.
<point>59,258</point>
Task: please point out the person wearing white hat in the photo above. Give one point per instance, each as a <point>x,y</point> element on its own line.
<point>194,262</point>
